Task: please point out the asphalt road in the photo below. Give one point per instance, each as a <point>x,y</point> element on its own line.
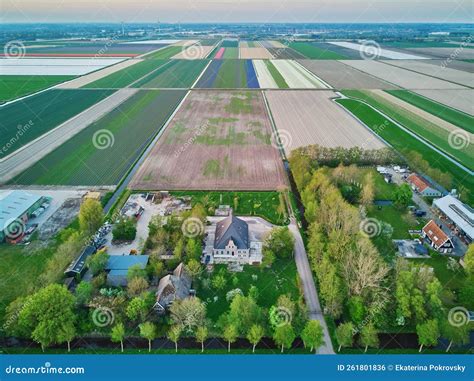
<point>309,289</point>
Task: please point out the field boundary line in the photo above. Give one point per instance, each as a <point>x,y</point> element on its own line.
<point>123,183</point>
<point>147,74</point>
<point>200,75</point>
<point>428,144</point>
<point>328,86</point>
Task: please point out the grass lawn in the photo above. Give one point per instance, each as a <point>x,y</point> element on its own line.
<point>280,81</point>
<point>125,77</point>
<point>19,267</point>
<point>264,204</point>
<point>437,136</point>
<point>314,52</point>
<point>449,114</point>
<point>280,279</point>
<point>405,143</point>
<point>453,280</point>
<point>15,86</point>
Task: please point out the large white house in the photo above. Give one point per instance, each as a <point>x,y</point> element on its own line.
<point>231,242</point>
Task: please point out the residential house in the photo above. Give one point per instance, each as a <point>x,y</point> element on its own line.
<point>437,238</point>
<point>175,286</point>
<point>422,186</point>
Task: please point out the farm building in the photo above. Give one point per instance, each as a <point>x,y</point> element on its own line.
<point>16,207</point>
<point>459,214</point>
<point>231,243</point>
<point>118,266</point>
<point>437,238</point>
<point>175,286</point>
<point>422,186</point>
<point>78,266</point>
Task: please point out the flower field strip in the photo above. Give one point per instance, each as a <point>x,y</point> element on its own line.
<point>313,52</point>
<point>425,129</point>
<point>449,114</point>
<point>102,153</point>
<point>296,76</point>
<point>42,112</point>
<point>127,76</point>
<point>231,53</point>
<point>16,86</point>
<point>219,54</point>
<point>229,74</point>
<point>177,74</point>
<point>405,144</point>
<point>165,53</point>
<point>457,99</point>
<point>230,44</point>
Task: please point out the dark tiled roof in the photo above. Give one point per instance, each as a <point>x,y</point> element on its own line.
<point>232,228</point>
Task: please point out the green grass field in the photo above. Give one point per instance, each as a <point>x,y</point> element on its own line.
<point>165,53</point>
<point>86,159</point>
<point>177,74</point>
<point>19,265</point>
<point>449,114</point>
<point>267,205</point>
<point>313,52</point>
<point>271,283</point>
<point>126,76</point>
<point>278,78</point>
<point>230,44</point>
<point>16,86</point>
<point>405,143</point>
<point>41,113</point>
<point>437,136</point>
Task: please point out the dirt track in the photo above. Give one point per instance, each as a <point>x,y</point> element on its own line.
<point>210,145</point>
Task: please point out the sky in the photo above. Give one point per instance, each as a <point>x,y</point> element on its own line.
<point>212,11</point>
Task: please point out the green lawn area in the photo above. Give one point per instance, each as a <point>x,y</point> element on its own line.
<point>280,81</point>
<point>165,53</point>
<point>453,280</point>
<point>449,114</point>
<point>16,86</point>
<point>19,267</point>
<point>405,143</point>
<point>125,77</point>
<point>177,74</point>
<point>263,204</point>
<point>437,136</point>
<point>314,52</point>
<point>280,279</point>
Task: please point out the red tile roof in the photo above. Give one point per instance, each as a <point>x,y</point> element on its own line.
<point>435,234</point>
<point>419,183</point>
